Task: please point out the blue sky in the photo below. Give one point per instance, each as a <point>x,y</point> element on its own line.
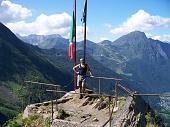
<point>107,19</point>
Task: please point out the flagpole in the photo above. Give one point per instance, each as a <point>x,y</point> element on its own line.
<point>75,77</point>
<point>85,23</point>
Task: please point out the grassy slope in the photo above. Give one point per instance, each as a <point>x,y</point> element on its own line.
<point>19,62</point>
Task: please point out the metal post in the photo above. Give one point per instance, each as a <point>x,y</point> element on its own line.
<point>22,104</point>
<point>22,96</point>
<point>75,59</point>
<point>109,109</point>
<point>99,86</point>
<point>39,94</point>
<point>116,95</point>
<point>109,105</point>
<point>29,100</point>
<point>52,112</point>
<point>56,99</point>
<point>85,23</point>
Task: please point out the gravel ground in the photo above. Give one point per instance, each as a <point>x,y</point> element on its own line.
<point>83,112</point>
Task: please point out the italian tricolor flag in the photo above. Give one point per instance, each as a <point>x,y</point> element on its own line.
<point>72,37</point>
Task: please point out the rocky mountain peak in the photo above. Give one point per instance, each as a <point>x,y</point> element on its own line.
<point>105,43</point>
<point>133,38</point>
<point>137,34</point>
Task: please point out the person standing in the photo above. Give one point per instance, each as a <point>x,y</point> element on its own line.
<point>82,69</point>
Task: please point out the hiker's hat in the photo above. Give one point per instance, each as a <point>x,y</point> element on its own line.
<point>82,59</point>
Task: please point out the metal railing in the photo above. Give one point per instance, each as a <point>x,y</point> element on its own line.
<point>117,86</point>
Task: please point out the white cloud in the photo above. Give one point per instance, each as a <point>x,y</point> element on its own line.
<point>149,35</point>
<point>46,25</point>
<point>103,38</point>
<point>43,25</point>
<point>80,32</point>
<point>141,21</point>
<point>164,38</point>
<point>12,12</point>
<point>14,15</point>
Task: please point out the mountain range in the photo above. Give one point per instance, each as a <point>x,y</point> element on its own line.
<point>141,62</point>
<point>20,61</point>
<point>140,59</point>
<point>45,41</point>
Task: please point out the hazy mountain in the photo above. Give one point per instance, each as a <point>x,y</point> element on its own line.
<point>57,42</point>
<point>46,41</point>
<point>141,59</point>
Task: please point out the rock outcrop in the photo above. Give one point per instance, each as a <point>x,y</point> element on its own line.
<point>133,113</point>
<point>93,111</point>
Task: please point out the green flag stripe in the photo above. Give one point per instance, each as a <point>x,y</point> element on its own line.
<point>72,30</point>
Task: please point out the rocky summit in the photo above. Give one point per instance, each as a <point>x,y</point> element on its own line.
<point>93,111</point>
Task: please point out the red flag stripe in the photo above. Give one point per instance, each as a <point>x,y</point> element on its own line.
<point>71,50</point>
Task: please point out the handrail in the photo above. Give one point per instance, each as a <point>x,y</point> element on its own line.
<point>107,78</point>
<point>125,89</point>
<point>47,84</point>
<point>117,85</point>
<point>152,94</point>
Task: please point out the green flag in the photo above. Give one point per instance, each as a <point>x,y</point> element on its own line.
<point>72,37</point>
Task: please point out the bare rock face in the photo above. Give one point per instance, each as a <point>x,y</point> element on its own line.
<point>133,113</point>
<point>92,111</point>
<point>29,110</point>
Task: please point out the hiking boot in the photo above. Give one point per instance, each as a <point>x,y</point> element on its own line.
<point>81,96</point>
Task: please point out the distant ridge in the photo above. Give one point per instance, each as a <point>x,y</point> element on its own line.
<point>46,41</point>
